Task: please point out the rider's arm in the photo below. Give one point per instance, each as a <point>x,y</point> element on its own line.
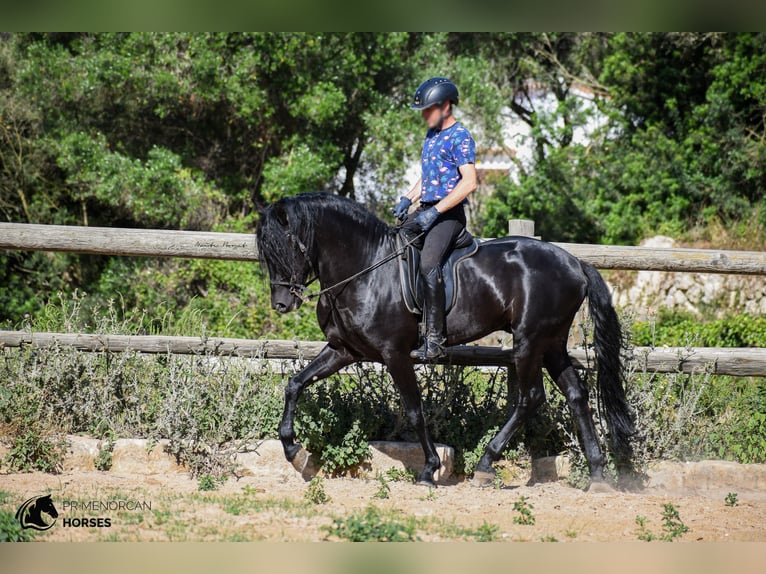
<point>463,189</point>
<point>414,194</point>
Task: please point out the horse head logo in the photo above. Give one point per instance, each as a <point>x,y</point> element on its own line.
<point>30,514</point>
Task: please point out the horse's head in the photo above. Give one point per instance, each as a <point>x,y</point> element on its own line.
<point>45,505</point>
<point>285,240</point>
<point>30,514</point>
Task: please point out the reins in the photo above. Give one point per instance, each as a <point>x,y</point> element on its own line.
<point>301,291</point>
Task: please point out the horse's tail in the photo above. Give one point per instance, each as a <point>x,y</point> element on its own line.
<point>610,379</point>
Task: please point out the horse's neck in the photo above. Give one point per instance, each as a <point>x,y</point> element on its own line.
<point>346,251</point>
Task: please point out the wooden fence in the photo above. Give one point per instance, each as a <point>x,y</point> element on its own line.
<point>718,361</point>
<point>242,247</point>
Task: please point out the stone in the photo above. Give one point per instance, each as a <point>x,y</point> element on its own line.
<point>81,453</point>
<point>130,456</point>
<point>549,469</point>
<point>709,478</point>
<point>268,459</point>
<point>409,455</point>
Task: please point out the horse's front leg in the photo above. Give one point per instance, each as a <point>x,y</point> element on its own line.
<point>329,360</point>
<point>403,374</point>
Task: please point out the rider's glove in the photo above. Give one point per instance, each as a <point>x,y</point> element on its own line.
<point>426,219</point>
<point>401,208</point>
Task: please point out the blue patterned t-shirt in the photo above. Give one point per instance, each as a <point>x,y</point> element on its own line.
<point>443,153</point>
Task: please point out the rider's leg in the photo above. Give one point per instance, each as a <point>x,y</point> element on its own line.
<point>436,246</point>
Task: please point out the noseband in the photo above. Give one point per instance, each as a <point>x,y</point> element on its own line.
<point>297,289</point>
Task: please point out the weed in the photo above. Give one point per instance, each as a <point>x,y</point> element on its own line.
<point>731,499</point>
<point>209,482</point>
<point>672,523</point>
<point>372,525</point>
<point>524,508</point>
<point>486,532</point>
<point>315,492</point>
<point>161,516</point>
<point>394,474</point>
<point>431,496</point>
<point>570,533</point>
<point>643,532</point>
<point>548,538</point>
<point>384,491</point>
<point>234,506</point>
<point>33,450</point>
<point>11,530</point>
<point>672,526</point>
<point>103,460</point>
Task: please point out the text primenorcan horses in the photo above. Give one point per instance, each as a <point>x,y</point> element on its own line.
<point>527,287</point>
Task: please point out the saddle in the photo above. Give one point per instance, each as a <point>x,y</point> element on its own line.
<point>412,282</point>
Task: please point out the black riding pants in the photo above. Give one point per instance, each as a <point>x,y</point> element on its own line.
<point>440,239</point>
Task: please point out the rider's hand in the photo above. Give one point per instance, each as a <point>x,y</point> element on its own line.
<point>426,218</point>
<point>400,209</point>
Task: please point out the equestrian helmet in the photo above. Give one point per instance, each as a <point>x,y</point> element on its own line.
<point>434,91</point>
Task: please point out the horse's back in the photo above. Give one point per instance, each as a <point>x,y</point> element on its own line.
<point>512,278</point>
<point>529,254</point>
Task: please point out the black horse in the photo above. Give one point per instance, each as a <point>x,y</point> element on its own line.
<point>527,287</point>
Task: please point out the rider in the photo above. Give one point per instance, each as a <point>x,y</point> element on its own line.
<point>448,176</point>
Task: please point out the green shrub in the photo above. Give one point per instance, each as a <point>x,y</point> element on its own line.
<point>372,525</point>
<point>315,492</point>
<point>679,329</point>
<point>32,450</point>
<point>11,530</point>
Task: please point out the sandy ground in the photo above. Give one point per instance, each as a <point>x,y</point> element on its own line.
<point>257,508</point>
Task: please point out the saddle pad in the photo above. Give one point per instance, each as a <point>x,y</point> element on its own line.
<point>412,282</point>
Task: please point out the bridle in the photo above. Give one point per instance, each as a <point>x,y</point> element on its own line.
<point>300,290</point>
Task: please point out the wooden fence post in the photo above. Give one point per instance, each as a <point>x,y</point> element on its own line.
<point>524,227</point>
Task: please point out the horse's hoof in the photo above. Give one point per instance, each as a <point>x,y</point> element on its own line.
<point>428,483</point>
<point>600,487</point>
<point>300,460</point>
<point>291,451</point>
<point>482,478</point>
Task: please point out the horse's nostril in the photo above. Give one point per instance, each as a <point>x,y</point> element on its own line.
<point>281,307</point>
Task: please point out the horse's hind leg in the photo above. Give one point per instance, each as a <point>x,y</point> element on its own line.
<point>574,389</point>
<point>530,395</point>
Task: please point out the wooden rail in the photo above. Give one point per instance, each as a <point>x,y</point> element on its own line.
<point>241,247</point>
<point>718,361</point>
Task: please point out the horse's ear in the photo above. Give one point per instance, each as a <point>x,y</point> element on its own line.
<point>280,213</point>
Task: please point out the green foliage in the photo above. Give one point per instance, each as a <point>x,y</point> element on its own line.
<point>486,532</point>
<point>471,457</point>
<point>678,329</point>
<point>731,499</point>
<point>32,450</point>
<point>524,508</point>
<point>672,526</point>
<point>394,474</point>
<point>384,490</point>
<point>208,482</point>
<point>315,492</point>
<point>11,530</point>
<point>103,460</point>
<point>373,525</point>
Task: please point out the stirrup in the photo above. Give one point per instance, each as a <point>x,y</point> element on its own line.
<point>432,348</point>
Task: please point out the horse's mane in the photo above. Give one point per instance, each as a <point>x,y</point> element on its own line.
<point>301,213</point>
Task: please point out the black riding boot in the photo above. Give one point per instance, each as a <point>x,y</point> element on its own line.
<point>433,345</point>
